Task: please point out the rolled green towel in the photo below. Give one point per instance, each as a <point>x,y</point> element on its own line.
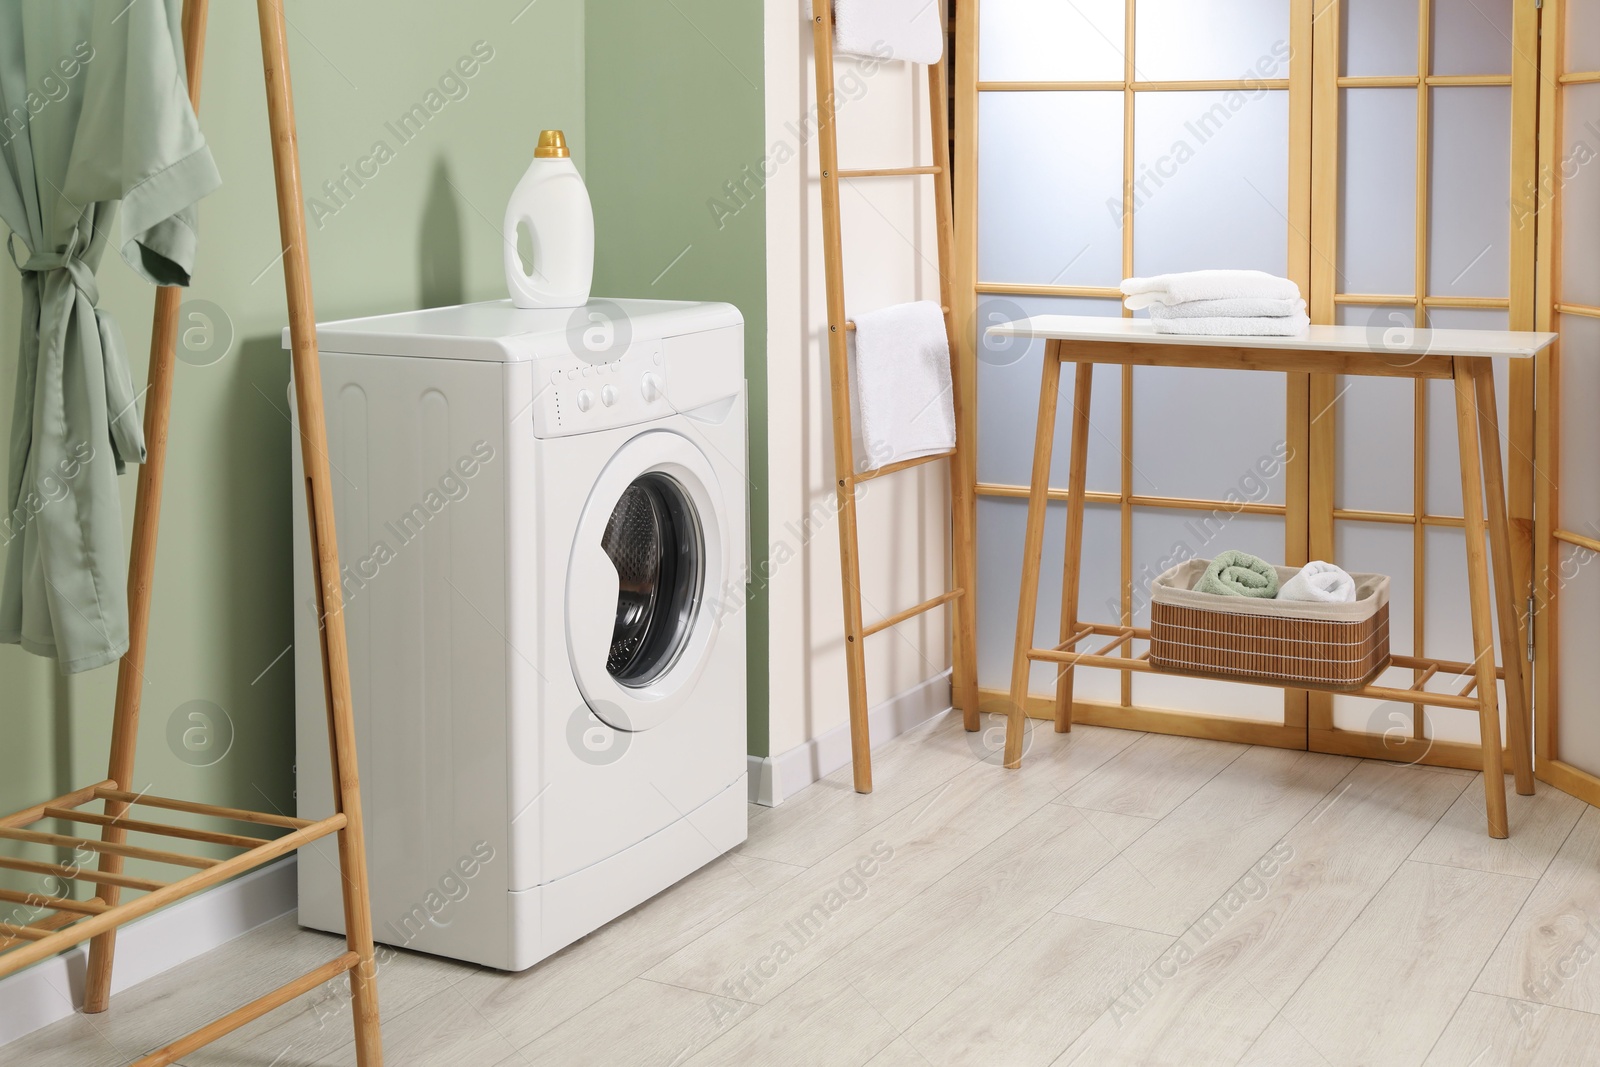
<point>1239,574</point>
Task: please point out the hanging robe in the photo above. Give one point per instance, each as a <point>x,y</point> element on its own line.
<point>94,110</point>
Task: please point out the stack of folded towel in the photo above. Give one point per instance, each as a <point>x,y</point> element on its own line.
<point>1241,574</point>
<point>1220,303</point>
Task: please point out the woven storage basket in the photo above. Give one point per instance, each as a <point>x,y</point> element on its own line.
<point>1307,644</point>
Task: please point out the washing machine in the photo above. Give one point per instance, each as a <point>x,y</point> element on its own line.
<point>542,534</point>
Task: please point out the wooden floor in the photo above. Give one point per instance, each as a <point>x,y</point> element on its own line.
<point>1124,899</point>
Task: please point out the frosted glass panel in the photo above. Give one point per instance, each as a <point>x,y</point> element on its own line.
<point>1050,188</point>
<point>1215,39</point>
<point>1186,445</point>
<point>1580,430</point>
<point>1579,722</point>
<point>1582,31</point>
<point>1471,176</point>
<point>1379,37</point>
<point>1211,181</point>
<point>1008,399</point>
<point>1048,40</point>
<point>1375,434</point>
<point>1471,36</point>
<point>1001,526</point>
<point>1579,184</point>
<point>1376,422</point>
<point>1377,205</point>
<point>1162,538</point>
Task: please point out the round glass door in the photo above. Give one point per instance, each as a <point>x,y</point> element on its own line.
<point>647,557</point>
<point>655,541</point>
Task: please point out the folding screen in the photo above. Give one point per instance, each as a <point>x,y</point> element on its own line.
<point>1566,199</point>
<point>1370,150</point>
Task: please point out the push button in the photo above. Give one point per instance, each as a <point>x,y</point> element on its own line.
<point>608,395</point>
<point>585,400</point>
<point>650,388</point>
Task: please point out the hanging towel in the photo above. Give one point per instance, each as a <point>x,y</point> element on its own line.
<point>1239,574</point>
<point>1239,307</point>
<point>1321,582</point>
<point>889,29</point>
<point>902,358</point>
<point>120,129</point>
<point>1206,285</point>
<point>1281,326</point>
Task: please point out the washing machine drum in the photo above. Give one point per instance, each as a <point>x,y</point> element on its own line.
<point>645,563</point>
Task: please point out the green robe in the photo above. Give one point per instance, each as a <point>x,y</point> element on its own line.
<point>94,109</point>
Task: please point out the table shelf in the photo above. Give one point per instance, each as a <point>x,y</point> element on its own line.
<point>1427,669</point>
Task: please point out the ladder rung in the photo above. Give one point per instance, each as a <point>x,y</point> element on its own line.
<point>850,327</point>
<point>926,605</point>
<point>904,464</point>
<point>890,172</point>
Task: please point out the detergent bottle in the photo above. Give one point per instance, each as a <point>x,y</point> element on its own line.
<point>553,204</point>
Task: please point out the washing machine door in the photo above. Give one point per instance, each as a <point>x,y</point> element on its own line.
<point>646,561</point>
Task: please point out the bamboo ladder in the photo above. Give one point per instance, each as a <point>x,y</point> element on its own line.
<point>964,628</point>
<point>70,922</point>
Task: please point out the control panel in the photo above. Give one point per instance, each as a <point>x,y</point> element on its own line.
<point>600,390</point>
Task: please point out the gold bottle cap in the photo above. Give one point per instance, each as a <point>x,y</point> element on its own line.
<point>552,145</point>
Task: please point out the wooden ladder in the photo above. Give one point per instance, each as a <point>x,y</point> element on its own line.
<point>964,627</point>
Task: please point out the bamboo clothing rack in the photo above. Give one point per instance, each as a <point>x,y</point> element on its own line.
<point>962,597</point>
<point>123,811</point>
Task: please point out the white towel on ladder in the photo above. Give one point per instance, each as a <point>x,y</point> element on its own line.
<point>911,30</point>
<point>903,390</point>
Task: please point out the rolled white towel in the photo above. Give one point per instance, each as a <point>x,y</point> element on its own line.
<point>1242,307</point>
<point>1321,582</point>
<point>1182,288</point>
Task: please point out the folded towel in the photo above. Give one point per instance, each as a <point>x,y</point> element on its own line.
<point>909,29</point>
<point>902,357</point>
<point>1206,285</point>
<point>1239,307</point>
<point>1285,326</point>
<point>1239,574</point>
<point>1322,582</point>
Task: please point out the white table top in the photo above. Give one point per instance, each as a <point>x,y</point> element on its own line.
<point>1376,341</point>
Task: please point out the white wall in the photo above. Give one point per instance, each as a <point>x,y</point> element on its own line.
<point>890,257</point>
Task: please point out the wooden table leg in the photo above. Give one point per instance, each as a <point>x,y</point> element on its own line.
<point>1505,597</point>
<point>1032,550</point>
<point>1072,562</point>
<point>1494,780</point>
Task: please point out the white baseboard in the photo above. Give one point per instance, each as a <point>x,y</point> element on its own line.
<point>775,778</point>
<point>53,990</point>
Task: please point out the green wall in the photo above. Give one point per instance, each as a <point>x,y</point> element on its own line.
<point>424,230</point>
<point>675,113</point>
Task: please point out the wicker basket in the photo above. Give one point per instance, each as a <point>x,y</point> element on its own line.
<point>1308,645</point>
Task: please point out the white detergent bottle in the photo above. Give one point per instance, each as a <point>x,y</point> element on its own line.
<point>553,204</point>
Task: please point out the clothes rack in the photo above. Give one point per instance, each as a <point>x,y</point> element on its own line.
<point>125,809</point>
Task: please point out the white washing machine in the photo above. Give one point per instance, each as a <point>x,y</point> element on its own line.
<point>542,531</point>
